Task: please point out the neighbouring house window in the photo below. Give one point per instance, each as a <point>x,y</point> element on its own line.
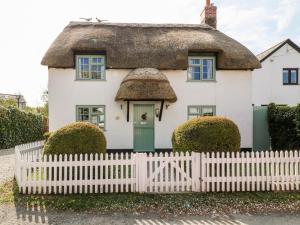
<point>201,69</point>
<point>290,76</point>
<point>90,67</point>
<point>201,110</point>
<point>94,114</point>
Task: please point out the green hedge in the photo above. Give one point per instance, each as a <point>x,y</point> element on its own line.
<point>284,126</point>
<point>76,138</point>
<point>19,127</point>
<point>207,134</point>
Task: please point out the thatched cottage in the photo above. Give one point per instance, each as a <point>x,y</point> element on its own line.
<point>139,81</point>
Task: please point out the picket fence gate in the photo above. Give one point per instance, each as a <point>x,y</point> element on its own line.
<point>155,173</point>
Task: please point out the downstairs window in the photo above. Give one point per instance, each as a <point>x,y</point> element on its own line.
<point>94,114</point>
<point>201,110</point>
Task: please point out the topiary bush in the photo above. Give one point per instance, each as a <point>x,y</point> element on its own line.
<point>207,134</point>
<point>19,127</point>
<point>76,138</point>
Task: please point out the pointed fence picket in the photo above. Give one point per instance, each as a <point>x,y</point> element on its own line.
<point>155,173</point>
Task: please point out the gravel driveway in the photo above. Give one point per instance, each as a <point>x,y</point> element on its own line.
<point>7,164</point>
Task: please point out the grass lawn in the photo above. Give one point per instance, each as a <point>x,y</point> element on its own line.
<point>190,203</point>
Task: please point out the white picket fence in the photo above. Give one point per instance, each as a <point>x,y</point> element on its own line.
<point>155,173</point>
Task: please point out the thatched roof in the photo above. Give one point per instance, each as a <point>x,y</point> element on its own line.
<point>161,46</point>
<point>146,84</point>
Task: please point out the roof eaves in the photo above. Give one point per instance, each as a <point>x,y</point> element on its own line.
<point>275,48</point>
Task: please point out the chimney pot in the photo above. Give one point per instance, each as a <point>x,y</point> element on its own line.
<point>209,15</point>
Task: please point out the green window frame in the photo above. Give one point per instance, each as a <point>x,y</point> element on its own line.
<point>201,68</point>
<point>195,111</point>
<point>94,114</point>
<point>90,67</point>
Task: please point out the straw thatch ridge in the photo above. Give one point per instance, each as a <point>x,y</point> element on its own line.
<point>146,84</point>
<point>161,46</point>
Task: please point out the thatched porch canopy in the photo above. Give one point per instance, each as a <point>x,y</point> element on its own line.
<point>146,84</point>
<point>161,46</point>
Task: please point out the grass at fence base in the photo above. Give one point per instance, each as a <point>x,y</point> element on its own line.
<point>190,203</point>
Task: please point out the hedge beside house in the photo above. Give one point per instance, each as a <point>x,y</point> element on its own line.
<point>284,127</point>
<point>19,127</point>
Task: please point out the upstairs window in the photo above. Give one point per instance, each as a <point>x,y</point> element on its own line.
<point>201,68</point>
<point>201,110</point>
<point>93,114</point>
<point>90,67</point>
<point>290,76</point>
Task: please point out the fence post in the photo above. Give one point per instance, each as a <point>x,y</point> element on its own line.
<point>196,176</point>
<point>203,178</point>
<point>141,171</point>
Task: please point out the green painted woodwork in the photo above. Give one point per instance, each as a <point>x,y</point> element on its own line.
<point>143,127</point>
<point>201,110</point>
<point>261,136</point>
<point>94,114</point>
<point>93,61</point>
<point>201,68</point>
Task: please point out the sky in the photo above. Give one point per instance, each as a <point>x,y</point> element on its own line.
<point>29,27</point>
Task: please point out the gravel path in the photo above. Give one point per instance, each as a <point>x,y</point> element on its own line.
<point>10,215</point>
<point>7,164</point>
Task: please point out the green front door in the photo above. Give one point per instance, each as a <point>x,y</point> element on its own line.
<point>143,128</point>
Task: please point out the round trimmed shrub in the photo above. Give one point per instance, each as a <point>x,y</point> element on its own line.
<point>76,138</point>
<point>207,134</point>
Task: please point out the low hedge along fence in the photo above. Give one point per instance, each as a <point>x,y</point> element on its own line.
<point>284,126</point>
<point>19,127</point>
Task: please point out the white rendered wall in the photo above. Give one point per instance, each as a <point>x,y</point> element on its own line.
<point>267,81</point>
<point>231,94</point>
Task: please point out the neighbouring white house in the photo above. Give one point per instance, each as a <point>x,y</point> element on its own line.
<point>138,82</point>
<point>278,79</point>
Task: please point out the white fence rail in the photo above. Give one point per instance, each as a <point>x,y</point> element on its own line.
<point>155,173</point>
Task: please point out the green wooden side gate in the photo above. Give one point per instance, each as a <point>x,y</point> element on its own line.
<point>261,136</point>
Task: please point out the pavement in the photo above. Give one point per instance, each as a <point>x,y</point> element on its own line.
<point>10,215</point>
<point>14,215</point>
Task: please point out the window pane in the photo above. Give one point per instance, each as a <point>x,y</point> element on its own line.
<point>194,73</point>
<point>84,67</point>
<point>207,111</point>
<point>94,119</point>
<point>285,76</point>
<point>194,110</point>
<point>83,110</point>
<point>207,69</point>
<point>97,60</point>
<point>83,114</point>
<point>96,71</point>
<point>84,60</point>
<point>294,77</point>
<point>99,110</point>
<point>194,61</point>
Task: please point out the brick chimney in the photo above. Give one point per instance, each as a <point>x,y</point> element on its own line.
<point>209,14</point>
